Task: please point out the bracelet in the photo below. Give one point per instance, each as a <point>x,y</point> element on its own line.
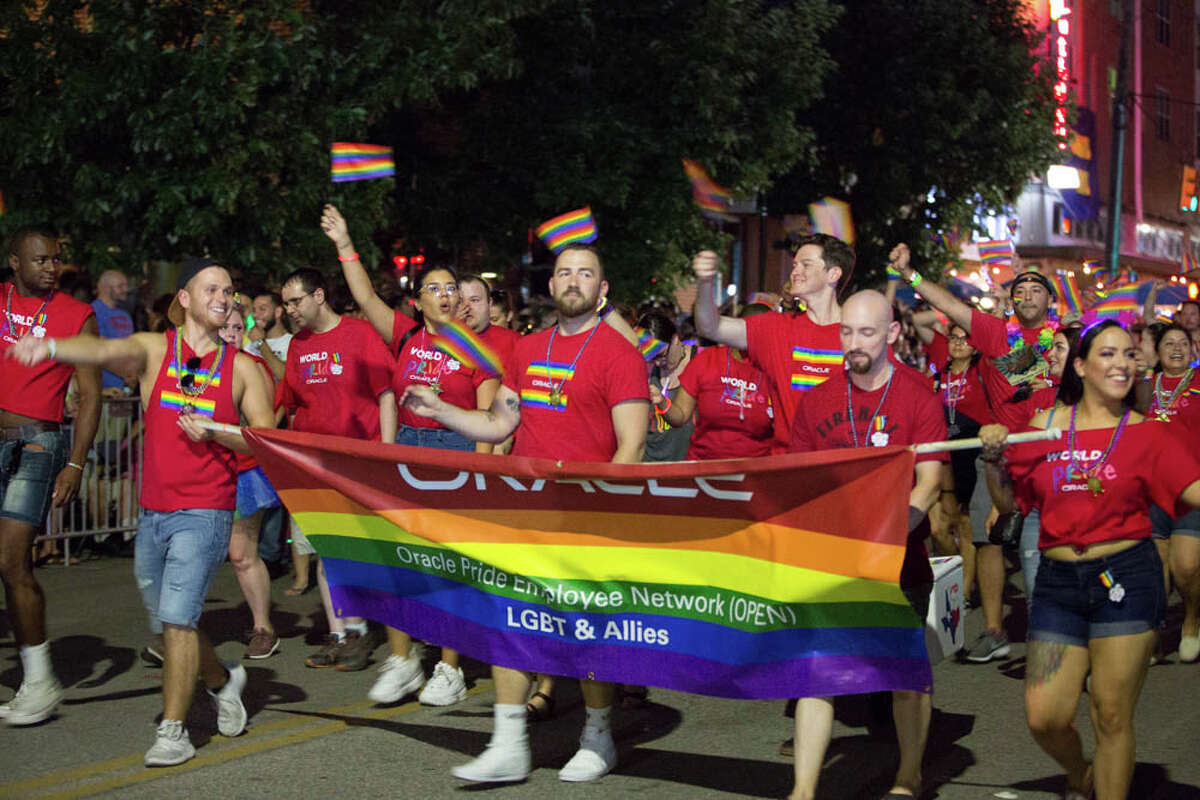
<point>76,466</point>
<point>662,410</point>
<point>50,348</point>
<point>892,273</point>
<point>915,280</point>
<point>351,258</point>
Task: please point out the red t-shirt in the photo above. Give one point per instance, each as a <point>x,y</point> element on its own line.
<point>607,370</point>
<point>401,324</point>
<point>1004,368</point>
<point>39,391</point>
<point>422,363</point>
<point>906,412</point>
<point>500,340</point>
<point>966,386</point>
<point>1150,464</point>
<point>797,354</point>
<point>733,406</point>
<point>1183,415</point>
<point>333,380</point>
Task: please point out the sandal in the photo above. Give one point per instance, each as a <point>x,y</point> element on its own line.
<point>538,712</point>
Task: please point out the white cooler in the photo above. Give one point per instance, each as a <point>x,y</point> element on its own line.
<point>944,625</point>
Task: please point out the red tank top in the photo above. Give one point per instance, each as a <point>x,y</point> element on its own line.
<point>181,473</point>
<point>245,463</point>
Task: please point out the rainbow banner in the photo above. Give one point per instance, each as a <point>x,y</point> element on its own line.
<point>1117,301</point>
<point>574,226</point>
<point>712,198</point>
<point>461,343</point>
<point>832,216</point>
<point>996,252</point>
<point>754,578</point>
<point>355,161</point>
<point>651,348</point>
<point>1067,289</point>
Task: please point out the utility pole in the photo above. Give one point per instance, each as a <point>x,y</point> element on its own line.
<point>1120,121</point>
<point>762,242</point>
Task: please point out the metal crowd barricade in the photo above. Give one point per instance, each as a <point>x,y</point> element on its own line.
<point>108,494</point>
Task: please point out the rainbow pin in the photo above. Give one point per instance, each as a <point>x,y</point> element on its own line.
<point>1116,592</point>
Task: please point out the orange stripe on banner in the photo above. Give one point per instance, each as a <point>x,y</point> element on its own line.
<point>764,540</point>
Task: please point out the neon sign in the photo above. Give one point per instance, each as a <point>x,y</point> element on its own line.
<point>1060,48</point>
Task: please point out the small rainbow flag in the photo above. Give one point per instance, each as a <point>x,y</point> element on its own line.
<point>832,216</point>
<point>1013,224</point>
<point>355,161</point>
<point>460,342</point>
<point>1067,289</point>
<point>1187,262</point>
<point>570,228</point>
<point>996,252</point>
<point>712,198</point>
<point>1117,301</point>
<point>651,348</point>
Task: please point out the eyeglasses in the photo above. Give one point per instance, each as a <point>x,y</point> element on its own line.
<point>295,301</point>
<point>189,378</point>
<point>448,290</point>
<point>960,339</point>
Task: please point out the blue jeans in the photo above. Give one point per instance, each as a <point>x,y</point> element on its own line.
<point>27,476</point>
<point>177,554</point>
<point>437,438</point>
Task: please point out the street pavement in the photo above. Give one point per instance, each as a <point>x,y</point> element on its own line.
<point>314,734</point>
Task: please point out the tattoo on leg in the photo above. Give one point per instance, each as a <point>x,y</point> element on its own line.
<point>1044,661</point>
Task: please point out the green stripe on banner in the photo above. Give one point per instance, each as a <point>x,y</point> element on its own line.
<point>732,609</point>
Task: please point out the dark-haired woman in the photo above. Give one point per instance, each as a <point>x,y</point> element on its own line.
<point>1099,596</point>
<point>665,441</point>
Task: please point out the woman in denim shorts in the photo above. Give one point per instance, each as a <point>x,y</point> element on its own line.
<point>1099,596</point>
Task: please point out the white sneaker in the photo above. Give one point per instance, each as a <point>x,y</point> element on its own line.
<point>1189,649</point>
<point>231,714</point>
<point>398,677</point>
<point>33,702</point>
<point>506,763</point>
<point>445,687</point>
<point>171,745</point>
<point>596,757</point>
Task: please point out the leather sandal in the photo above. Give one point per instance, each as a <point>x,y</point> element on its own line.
<point>539,713</point>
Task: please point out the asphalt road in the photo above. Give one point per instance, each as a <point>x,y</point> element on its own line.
<point>314,734</point>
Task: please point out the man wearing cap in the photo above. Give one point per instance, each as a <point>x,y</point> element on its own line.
<point>189,483</point>
<point>1014,363</point>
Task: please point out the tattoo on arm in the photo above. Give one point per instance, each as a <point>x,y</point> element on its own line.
<point>1043,662</point>
<point>513,404</point>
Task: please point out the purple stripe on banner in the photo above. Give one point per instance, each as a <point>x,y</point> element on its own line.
<point>817,676</point>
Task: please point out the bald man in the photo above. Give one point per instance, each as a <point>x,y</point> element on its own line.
<point>113,321</point>
<point>892,405</point>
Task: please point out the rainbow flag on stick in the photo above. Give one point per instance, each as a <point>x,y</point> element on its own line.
<point>651,348</point>
<point>354,161</point>
<point>833,217</point>
<point>461,343</point>
<point>1117,301</point>
<point>574,226</point>
<point>1067,289</point>
<point>753,578</point>
<point>996,252</point>
<point>712,198</point>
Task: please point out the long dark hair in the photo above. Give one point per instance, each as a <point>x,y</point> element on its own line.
<point>1071,391</point>
<point>1160,330</point>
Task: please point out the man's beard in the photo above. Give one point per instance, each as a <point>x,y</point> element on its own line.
<point>860,367</point>
<point>572,303</point>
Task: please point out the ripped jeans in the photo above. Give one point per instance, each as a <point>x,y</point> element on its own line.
<point>177,554</point>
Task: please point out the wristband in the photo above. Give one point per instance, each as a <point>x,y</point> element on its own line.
<point>349,258</point>
<point>662,410</point>
<point>892,273</point>
<point>50,348</point>
<point>915,280</point>
<point>76,466</point>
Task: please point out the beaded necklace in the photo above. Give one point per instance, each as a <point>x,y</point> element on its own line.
<point>188,385</point>
<point>871,424</point>
<point>1162,401</point>
<point>39,316</point>
<point>1091,471</point>
<point>556,398</point>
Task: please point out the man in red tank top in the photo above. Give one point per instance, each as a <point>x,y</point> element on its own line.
<point>189,483</point>
<point>35,469</point>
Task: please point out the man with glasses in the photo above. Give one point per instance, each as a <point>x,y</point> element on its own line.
<point>337,382</point>
<point>188,485</point>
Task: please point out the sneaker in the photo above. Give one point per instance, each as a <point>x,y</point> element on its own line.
<point>231,714</point>
<point>327,656</point>
<point>987,647</point>
<point>263,644</point>
<point>445,687</point>
<point>596,757</point>
<point>398,677</point>
<point>507,763</point>
<point>152,653</point>
<point>171,745</point>
<point>355,652</point>
<point>33,702</point>
<point>1189,649</point>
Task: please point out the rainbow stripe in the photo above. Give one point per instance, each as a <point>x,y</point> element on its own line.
<point>996,252</point>
<point>355,161</point>
<point>462,343</point>
<point>651,348</point>
<point>200,375</point>
<point>570,228</point>
<point>550,370</point>
<point>816,365</point>
<point>1187,262</point>
<point>1068,292</point>
<point>177,402</point>
<point>755,578</point>
<point>1117,301</point>
<point>540,398</point>
<point>712,198</point>
<point>832,216</point>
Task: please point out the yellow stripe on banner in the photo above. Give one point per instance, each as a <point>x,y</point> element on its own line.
<point>759,577</point>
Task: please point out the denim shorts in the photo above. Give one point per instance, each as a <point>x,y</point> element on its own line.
<point>1163,527</point>
<point>437,438</point>
<point>1072,606</point>
<point>27,476</point>
<point>177,554</point>
<point>254,493</point>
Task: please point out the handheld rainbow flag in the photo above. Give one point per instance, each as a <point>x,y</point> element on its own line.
<point>712,198</point>
<point>461,343</point>
<point>996,252</point>
<point>832,216</point>
<point>1067,289</point>
<point>1013,224</point>
<point>1117,301</point>
<point>651,348</point>
<point>1187,262</point>
<point>574,226</point>
<point>750,578</point>
<point>354,161</point>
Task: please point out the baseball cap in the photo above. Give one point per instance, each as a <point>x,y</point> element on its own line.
<point>190,268</point>
<point>1030,276</point>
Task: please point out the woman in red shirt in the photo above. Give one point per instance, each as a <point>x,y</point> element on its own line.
<point>1098,597</point>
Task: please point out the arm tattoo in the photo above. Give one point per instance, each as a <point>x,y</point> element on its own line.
<point>1043,662</point>
<point>514,407</point>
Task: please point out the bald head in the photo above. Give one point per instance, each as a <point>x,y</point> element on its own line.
<point>867,330</point>
<point>112,287</point>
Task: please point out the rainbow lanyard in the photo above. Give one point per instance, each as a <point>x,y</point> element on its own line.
<point>39,316</point>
